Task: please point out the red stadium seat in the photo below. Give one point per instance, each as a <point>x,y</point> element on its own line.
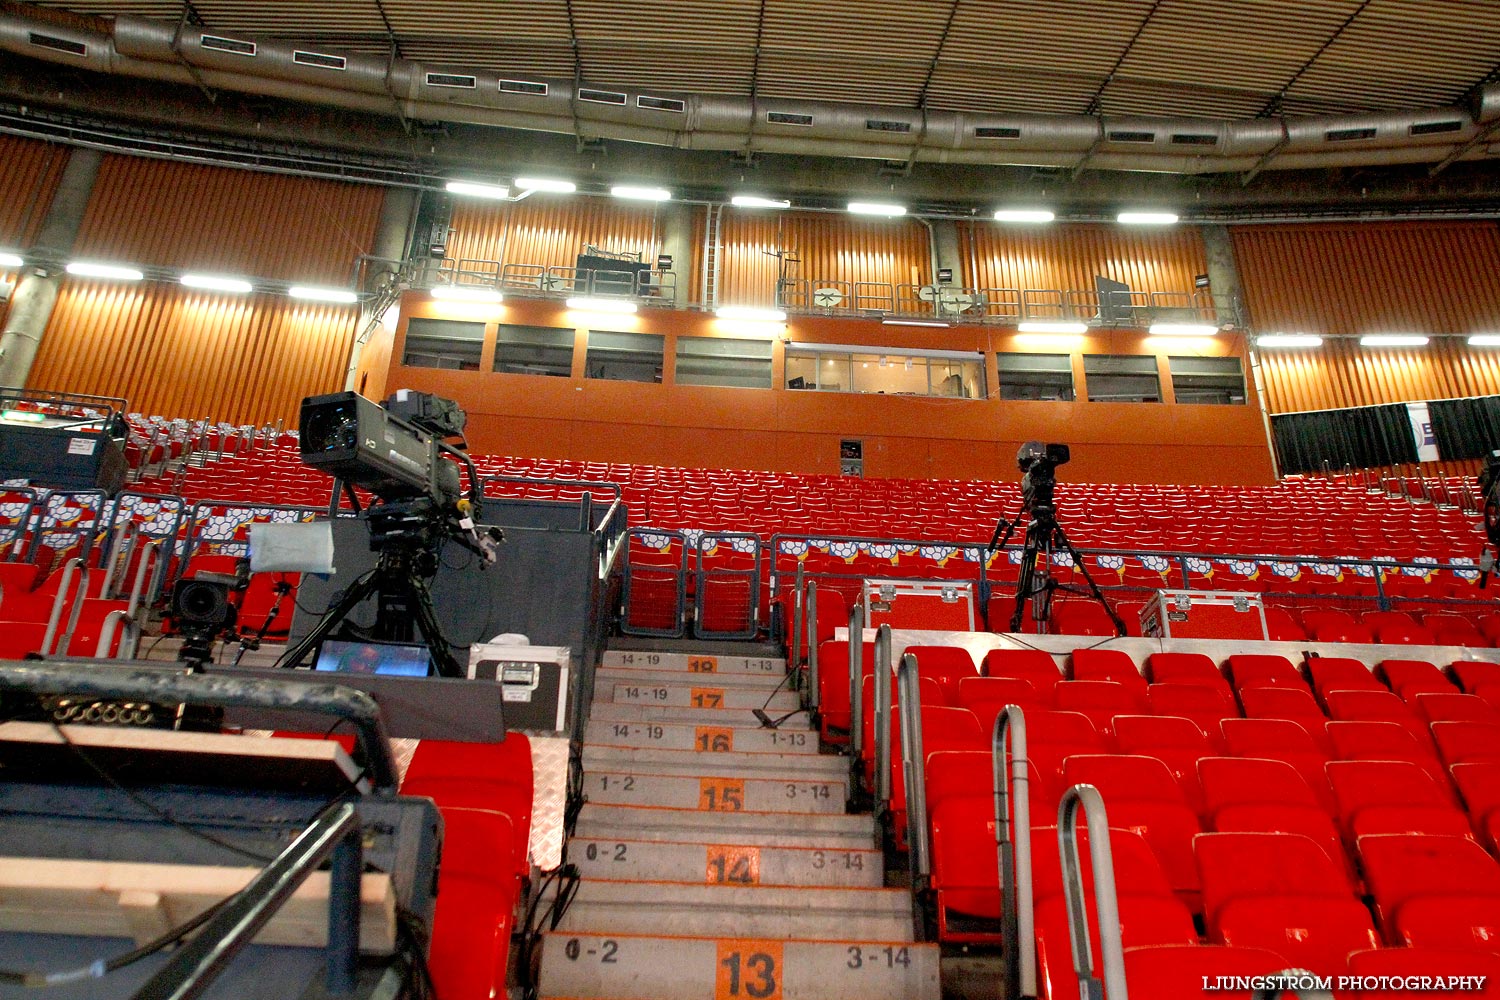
<point>1081,618</point>
<point>1392,796</point>
<point>1455,708</point>
<point>1393,966</point>
<point>1376,706</point>
<point>1203,705</point>
<point>1107,665</point>
<point>1314,933</point>
<point>1249,670</point>
<point>1403,869</point>
<point>947,665</point>
<point>1252,780</point>
<point>1467,742</point>
<point>1333,673</point>
<point>1282,627</point>
<point>1286,704</point>
<point>1144,920</point>
<point>965,869</point>
<point>1178,971</point>
<point>1186,668</point>
<point>475,910</point>
<point>1409,678</point>
<point>1032,665</point>
<point>835,711</point>
<point>1383,741</point>
<point>1236,866</point>
<point>1178,743</point>
<point>1141,795</point>
<point>1454,630</point>
<point>1479,784</point>
<point>1473,673</point>
<point>1101,701</point>
<point>486,776</point>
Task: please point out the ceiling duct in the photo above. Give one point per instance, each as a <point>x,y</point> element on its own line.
<point>156,50</point>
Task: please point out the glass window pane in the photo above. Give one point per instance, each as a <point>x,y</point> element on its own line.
<point>1035,376</point>
<point>534,350</point>
<point>1122,378</point>
<point>801,371</point>
<point>443,343</point>
<point>885,374</point>
<point>1207,380</point>
<point>744,364</point>
<point>625,357</point>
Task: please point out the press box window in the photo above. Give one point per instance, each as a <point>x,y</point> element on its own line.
<point>443,343</point>
<point>1035,376</point>
<point>1121,378</point>
<point>740,364</point>
<point>1208,380</point>
<point>625,357</point>
<point>534,350</point>
<point>885,374</point>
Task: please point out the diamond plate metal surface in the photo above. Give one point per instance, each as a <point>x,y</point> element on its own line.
<point>549,771</point>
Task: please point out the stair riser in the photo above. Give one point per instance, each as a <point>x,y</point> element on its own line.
<point>695,663</point>
<point>791,767</point>
<point>589,966</point>
<point>705,739</point>
<point>725,864</point>
<point>764,683</point>
<point>704,696</point>
<point>609,711</point>
<point>603,822</point>
<point>637,917</point>
<point>716,794</point>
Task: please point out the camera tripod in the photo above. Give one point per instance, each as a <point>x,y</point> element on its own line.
<point>404,536</point>
<point>1043,536</point>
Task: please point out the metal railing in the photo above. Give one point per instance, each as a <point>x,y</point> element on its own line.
<point>648,286</point>
<point>706,574</point>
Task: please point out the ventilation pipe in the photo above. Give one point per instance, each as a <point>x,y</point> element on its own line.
<point>192,55</point>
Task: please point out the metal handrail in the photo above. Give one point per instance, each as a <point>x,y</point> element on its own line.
<point>73,567</point>
<point>913,764</point>
<point>883,674</point>
<point>1086,798</point>
<point>333,832</point>
<point>856,682</point>
<point>1013,850</point>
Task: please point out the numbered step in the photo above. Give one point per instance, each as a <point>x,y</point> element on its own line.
<point>792,767</point>
<point>820,912</point>
<point>725,864</point>
<point>832,831</point>
<point>716,716</point>
<point>765,684</point>
<point>717,793</point>
<point>705,696</point>
<point>695,663</point>
<point>702,739</point>
<point>629,967</point>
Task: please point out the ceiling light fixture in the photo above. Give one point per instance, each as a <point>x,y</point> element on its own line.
<point>757,201</point>
<point>1393,340</point>
<point>1023,215</point>
<point>216,283</point>
<point>1288,340</point>
<point>882,208</point>
<point>312,294</point>
<point>915,322</point>
<point>473,189</point>
<point>86,269</point>
<point>546,184</point>
<point>11,260</point>
<point>632,193</point>
<point>1146,218</point>
<point>1485,340</point>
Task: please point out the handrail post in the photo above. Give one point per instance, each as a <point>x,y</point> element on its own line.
<point>913,762</point>
<point>73,567</point>
<point>805,621</point>
<point>1086,798</point>
<point>1013,849</point>
<point>856,680</point>
<point>882,707</point>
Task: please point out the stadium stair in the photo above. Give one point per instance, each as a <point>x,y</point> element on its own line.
<point>716,855</point>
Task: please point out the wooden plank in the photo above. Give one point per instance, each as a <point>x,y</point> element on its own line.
<point>139,900</point>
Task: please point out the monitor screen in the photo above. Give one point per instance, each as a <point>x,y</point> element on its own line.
<point>389,658</point>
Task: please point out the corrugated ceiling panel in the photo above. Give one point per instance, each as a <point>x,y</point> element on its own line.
<point>468,19</point>
<point>802,76</point>
<point>1341,373</point>
<point>210,218</point>
<point>831,248</point>
<point>29,172</point>
<point>858,28</point>
<point>175,352</point>
<point>550,231</point>
<point>296,18</point>
<point>1372,278</point>
<point>1069,256</point>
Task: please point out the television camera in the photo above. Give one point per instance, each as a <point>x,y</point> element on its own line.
<point>1038,463</point>
<point>1489,505</point>
<point>399,452</point>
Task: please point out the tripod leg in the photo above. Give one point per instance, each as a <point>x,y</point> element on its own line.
<point>1098,594</point>
<point>1027,579</point>
<point>427,623</point>
<point>352,598</point>
<point>998,541</point>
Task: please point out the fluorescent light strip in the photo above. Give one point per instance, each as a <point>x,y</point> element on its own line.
<point>476,190</point>
<point>216,283</point>
<point>751,314</point>
<point>1393,340</point>
<point>1037,326</point>
<point>1023,215</point>
<point>10,260</point>
<point>630,193</point>
<point>881,208</point>
<point>1485,340</point>
<point>461,293</point>
<point>916,322</point>
<point>545,184</point>
<point>1288,340</point>
<point>311,294</point>
<point>1183,330</point>
<point>756,201</point>
<point>1146,218</point>
<point>86,269</point>
<point>602,305</point>
<point>24,416</point>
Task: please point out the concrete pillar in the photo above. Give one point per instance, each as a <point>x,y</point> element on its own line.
<point>946,253</point>
<point>677,242</point>
<point>1224,276</point>
<point>392,234</point>
<point>36,291</point>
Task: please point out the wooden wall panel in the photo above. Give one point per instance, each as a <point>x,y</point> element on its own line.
<point>1068,256</point>
<point>1415,277</point>
<point>29,172</point>
<point>831,247</point>
<point>220,220</point>
<point>549,230</point>
<point>1341,373</point>
<point>176,352</point>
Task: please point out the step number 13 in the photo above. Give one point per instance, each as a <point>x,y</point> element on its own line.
<point>748,969</point>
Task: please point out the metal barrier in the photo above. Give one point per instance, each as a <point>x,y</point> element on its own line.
<point>1111,980</point>
<point>913,767</point>
<point>882,706</point>
<point>69,517</point>
<point>856,675</point>
<point>704,576</point>
<point>661,540</point>
<point>18,511</point>
<point>1013,849</point>
<point>647,285</point>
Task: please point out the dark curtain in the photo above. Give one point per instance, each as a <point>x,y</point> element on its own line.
<point>1363,437</point>
<point>1466,428</point>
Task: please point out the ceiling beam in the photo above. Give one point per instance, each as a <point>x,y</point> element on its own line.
<point>1272,106</point>
<point>1096,102</point>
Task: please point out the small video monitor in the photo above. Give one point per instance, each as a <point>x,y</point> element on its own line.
<point>391,659</point>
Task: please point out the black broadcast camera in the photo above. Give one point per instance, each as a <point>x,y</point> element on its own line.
<point>1489,505</point>
<point>201,610</point>
<point>1038,462</point>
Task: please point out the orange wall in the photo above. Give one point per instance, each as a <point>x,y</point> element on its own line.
<point>29,172</point>
<point>177,352</point>
<point>1420,277</point>
<point>799,431</point>
<point>549,229</point>
<point>1068,256</point>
